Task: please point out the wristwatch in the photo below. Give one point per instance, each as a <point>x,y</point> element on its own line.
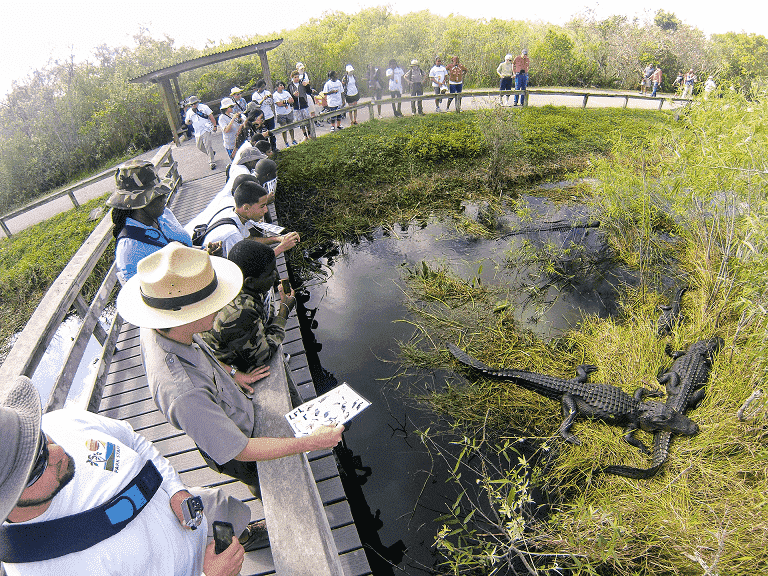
<point>233,372</point>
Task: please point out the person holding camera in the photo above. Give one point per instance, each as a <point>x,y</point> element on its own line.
<point>203,122</point>
<point>82,494</point>
<point>230,122</point>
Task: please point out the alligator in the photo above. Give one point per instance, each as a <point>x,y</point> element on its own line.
<point>670,315</point>
<point>603,401</point>
<point>684,382</point>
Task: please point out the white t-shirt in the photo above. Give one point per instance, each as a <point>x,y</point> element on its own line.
<point>200,125</point>
<point>351,85</point>
<point>228,234</point>
<point>281,103</point>
<point>395,79</point>
<point>107,455</point>
<point>438,73</point>
<point>335,86</point>
<point>265,101</point>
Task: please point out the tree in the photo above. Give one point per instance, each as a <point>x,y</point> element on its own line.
<point>667,21</point>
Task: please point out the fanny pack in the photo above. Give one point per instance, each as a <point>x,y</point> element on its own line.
<point>36,541</point>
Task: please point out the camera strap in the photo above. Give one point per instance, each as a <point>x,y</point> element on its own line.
<point>36,541</point>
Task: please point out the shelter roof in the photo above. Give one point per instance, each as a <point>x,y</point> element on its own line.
<point>212,58</point>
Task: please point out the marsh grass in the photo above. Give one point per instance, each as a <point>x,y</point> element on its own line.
<point>689,206</point>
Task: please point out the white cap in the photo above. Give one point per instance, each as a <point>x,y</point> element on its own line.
<point>350,68</point>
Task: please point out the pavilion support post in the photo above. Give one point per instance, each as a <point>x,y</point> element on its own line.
<point>266,74</point>
<point>171,106</point>
<point>177,90</point>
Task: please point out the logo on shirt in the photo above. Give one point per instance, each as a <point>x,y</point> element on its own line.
<point>105,455</point>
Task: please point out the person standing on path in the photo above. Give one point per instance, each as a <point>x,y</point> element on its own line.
<point>456,73</point>
<point>521,65</point>
<point>690,80</point>
<point>375,84</point>
<point>438,75</point>
<point>415,77</point>
<point>333,89</point>
<point>284,111</point>
<point>203,122</point>
<point>656,80</point>
<point>237,97</point>
<point>264,100</point>
<point>300,102</point>
<point>352,93</point>
<point>395,76</point>
<point>506,71</point>
<point>230,122</point>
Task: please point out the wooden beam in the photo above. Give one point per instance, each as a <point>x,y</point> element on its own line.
<point>265,73</point>
<point>171,106</point>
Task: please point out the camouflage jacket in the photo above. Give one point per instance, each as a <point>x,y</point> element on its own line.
<point>242,335</point>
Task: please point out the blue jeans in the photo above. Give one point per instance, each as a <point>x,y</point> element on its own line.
<point>521,83</point>
<point>655,87</point>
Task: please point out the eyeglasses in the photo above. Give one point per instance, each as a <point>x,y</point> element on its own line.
<point>41,463</point>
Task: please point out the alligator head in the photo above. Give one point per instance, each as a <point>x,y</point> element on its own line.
<point>656,416</point>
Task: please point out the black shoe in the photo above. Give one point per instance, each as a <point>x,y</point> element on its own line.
<point>255,536</point>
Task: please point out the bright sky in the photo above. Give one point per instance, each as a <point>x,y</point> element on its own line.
<point>53,30</point>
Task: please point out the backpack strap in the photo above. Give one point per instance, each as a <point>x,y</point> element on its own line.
<point>147,235</point>
<point>36,541</point>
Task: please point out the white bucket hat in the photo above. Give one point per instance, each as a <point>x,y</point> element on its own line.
<point>177,285</point>
<point>235,90</point>
<point>20,414</point>
<point>227,102</point>
<point>349,68</point>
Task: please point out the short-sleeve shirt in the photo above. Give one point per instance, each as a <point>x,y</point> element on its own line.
<point>438,73</point>
<point>196,395</point>
<point>200,125</point>
<point>282,107</point>
<point>228,234</point>
<point>228,137</point>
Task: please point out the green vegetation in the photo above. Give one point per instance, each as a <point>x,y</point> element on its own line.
<point>689,205</point>
<point>32,259</point>
<point>70,118</point>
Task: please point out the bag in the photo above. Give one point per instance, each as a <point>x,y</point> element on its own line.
<point>201,230</point>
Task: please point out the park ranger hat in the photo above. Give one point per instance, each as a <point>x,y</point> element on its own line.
<point>137,185</point>
<point>20,414</point>
<point>177,285</point>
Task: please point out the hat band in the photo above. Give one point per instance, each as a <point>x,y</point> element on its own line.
<point>176,302</point>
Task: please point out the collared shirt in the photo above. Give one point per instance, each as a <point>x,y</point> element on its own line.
<point>196,395</point>
<point>505,69</point>
<point>456,73</point>
<point>521,64</point>
<point>200,124</point>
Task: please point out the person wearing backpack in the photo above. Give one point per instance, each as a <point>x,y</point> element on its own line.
<point>415,77</point>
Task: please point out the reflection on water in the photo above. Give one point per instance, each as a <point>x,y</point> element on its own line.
<point>356,313</point>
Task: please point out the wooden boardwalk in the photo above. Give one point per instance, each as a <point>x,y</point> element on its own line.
<point>127,397</point>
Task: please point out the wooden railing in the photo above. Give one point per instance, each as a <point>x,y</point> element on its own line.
<point>469,94</point>
<point>302,542</point>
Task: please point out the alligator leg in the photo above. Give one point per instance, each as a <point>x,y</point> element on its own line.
<point>643,393</point>
<point>570,412</point>
<point>672,382</point>
<point>696,398</point>
<point>583,371</point>
<point>629,438</point>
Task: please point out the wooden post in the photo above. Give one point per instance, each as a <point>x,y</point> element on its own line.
<point>300,536</point>
<point>177,90</point>
<point>266,74</point>
<point>584,104</point>
<point>5,228</point>
<point>171,106</point>
<point>370,110</point>
<point>74,200</point>
<point>626,101</point>
<point>661,103</point>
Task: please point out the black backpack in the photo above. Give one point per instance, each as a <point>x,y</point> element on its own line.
<point>201,230</point>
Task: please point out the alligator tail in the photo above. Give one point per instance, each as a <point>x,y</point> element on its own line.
<point>630,472</point>
<point>465,358</point>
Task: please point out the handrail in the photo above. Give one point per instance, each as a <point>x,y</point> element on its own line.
<point>161,158</point>
<point>370,103</point>
<point>65,292</point>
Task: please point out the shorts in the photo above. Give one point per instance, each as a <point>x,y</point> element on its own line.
<point>455,88</point>
<point>300,114</point>
<point>283,119</point>
<point>333,109</point>
<point>506,83</point>
<point>352,99</point>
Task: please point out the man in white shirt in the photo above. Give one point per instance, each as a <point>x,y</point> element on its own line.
<point>439,76</point>
<point>395,75</point>
<point>203,122</point>
<point>71,462</point>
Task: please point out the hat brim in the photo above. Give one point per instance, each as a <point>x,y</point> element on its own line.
<point>133,309</point>
<point>25,401</point>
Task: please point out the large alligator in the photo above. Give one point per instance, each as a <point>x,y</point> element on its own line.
<point>670,315</point>
<point>684,381</point>
<point>580,398</point>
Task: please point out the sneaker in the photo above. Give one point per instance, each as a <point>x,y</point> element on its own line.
<point>437,109</point>
<point>339,127</point>
<point>294,143</point>
<point>287,357</point>
<point>333,128</point>
<point>255,536</point>
<point>213,165</point>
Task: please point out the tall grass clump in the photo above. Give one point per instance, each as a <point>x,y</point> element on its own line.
<point>686,206</point>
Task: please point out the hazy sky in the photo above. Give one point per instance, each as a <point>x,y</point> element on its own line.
<point>45,30</point>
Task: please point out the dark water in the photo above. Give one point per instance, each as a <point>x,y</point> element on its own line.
<point>358,311</point>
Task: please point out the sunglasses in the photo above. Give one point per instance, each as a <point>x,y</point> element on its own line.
<point>41,463</point>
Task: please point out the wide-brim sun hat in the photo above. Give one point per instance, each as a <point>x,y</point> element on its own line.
<point>20,413</point>
<point>193,100</point>
<point>137,184</point>
<point>235,90</point>
<point>414,62</point>
<point>177,285</point>
<point>226,102</point>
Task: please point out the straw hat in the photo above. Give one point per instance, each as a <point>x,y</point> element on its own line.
<point>20,414</point>
<point>177,285</point>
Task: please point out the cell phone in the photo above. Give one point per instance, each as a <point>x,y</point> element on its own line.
<point>223,533</point>
<point>286,286</point>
